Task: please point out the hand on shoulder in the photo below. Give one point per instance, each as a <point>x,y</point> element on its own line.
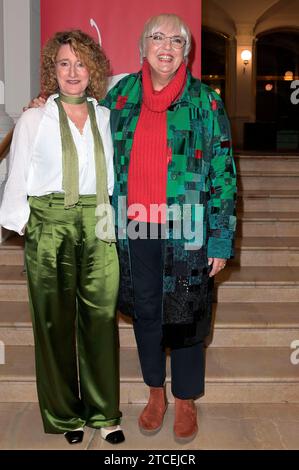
<point>38,102</point>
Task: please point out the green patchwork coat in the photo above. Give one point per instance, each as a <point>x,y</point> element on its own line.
<point>201,172</point>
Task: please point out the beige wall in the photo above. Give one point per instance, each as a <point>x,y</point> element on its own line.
<point>5,121</point>
<point>19,63</point>
<point>21,25</point>
<point>1,44</point>
<point>242,21</point>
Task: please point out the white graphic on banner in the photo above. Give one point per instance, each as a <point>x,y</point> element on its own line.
<point>93,24</point>
<point>114,78</point>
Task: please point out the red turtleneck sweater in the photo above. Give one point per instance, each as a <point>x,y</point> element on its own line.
<point>147,177</point>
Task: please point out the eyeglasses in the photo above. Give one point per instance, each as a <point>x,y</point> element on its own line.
<point>177,42</point>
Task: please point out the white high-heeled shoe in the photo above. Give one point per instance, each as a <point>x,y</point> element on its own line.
<point>113,436</point>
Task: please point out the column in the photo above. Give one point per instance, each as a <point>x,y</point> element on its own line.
<point>245,83</point>
<point>230,87</point>
<point>5,121</point>
<point>21,53</point>
<point>19,65</point>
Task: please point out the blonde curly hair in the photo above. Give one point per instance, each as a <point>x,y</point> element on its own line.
<point>88,51</point>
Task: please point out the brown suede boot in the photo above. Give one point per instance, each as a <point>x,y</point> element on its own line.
<point>151,419</point>
<point>185,424</point>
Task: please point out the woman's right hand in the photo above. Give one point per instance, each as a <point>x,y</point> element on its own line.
<point>35,103</point>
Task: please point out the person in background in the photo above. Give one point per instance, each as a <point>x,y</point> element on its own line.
<point>172,146</point>
<point>61,169</point>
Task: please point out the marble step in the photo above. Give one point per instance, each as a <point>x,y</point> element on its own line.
<point>267,251</point>
<point>12,251</point>
<point>222,426</point>
<point>241,325</point>
<point>253,284</point>
<point>15,323</point>
<point>270,163</point>
<point>268,224</point>
<point>250,251</point>
<point>284,200</point>
<point>234,324</point>
<point>268,180</point>
<point>250,224</point>
<point>13,284</point>
<point>234,284</point>
<point>254,324</point>
<point>233,375</point>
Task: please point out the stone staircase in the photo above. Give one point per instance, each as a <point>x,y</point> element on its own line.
<point>257,309</point>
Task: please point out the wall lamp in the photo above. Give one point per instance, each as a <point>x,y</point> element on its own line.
<point>246,57</point>
<point>289,76</point>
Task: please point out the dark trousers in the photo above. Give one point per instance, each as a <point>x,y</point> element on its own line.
<point>187,364</point>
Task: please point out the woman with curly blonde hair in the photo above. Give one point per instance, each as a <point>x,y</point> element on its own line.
<point>61,171</point>
<point>89,52</point>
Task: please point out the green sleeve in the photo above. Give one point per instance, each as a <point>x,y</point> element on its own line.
<point>110,98</point>
<point>120,89</point>
<point>221,206</point>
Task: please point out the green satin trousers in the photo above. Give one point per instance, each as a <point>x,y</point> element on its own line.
<point>73,282</point>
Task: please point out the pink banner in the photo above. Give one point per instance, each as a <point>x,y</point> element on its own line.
<point>118,24</point>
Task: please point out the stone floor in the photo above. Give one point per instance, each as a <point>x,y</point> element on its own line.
<point>222,426</point>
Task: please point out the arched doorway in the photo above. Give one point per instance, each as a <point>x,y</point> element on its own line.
<point>277,65</point>
<point>214,45</point>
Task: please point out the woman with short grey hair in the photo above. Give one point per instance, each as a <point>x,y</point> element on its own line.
<point>172,147</point>
<point>152,26</point>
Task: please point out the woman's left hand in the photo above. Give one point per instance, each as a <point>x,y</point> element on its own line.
<point>217,265</point>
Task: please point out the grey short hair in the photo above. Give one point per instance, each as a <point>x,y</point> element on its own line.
<point>152,25</point>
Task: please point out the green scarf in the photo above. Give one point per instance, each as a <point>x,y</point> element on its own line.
<point>70,167</point>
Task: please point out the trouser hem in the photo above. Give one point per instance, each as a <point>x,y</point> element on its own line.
<point>104,424</point>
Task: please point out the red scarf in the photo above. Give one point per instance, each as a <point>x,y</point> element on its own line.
<point>147,177</point>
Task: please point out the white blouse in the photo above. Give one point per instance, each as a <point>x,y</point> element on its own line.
<point>35,160</point>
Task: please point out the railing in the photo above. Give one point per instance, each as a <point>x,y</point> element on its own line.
<point>5,145</point>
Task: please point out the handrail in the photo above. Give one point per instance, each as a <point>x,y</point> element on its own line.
<point>5,144</point>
